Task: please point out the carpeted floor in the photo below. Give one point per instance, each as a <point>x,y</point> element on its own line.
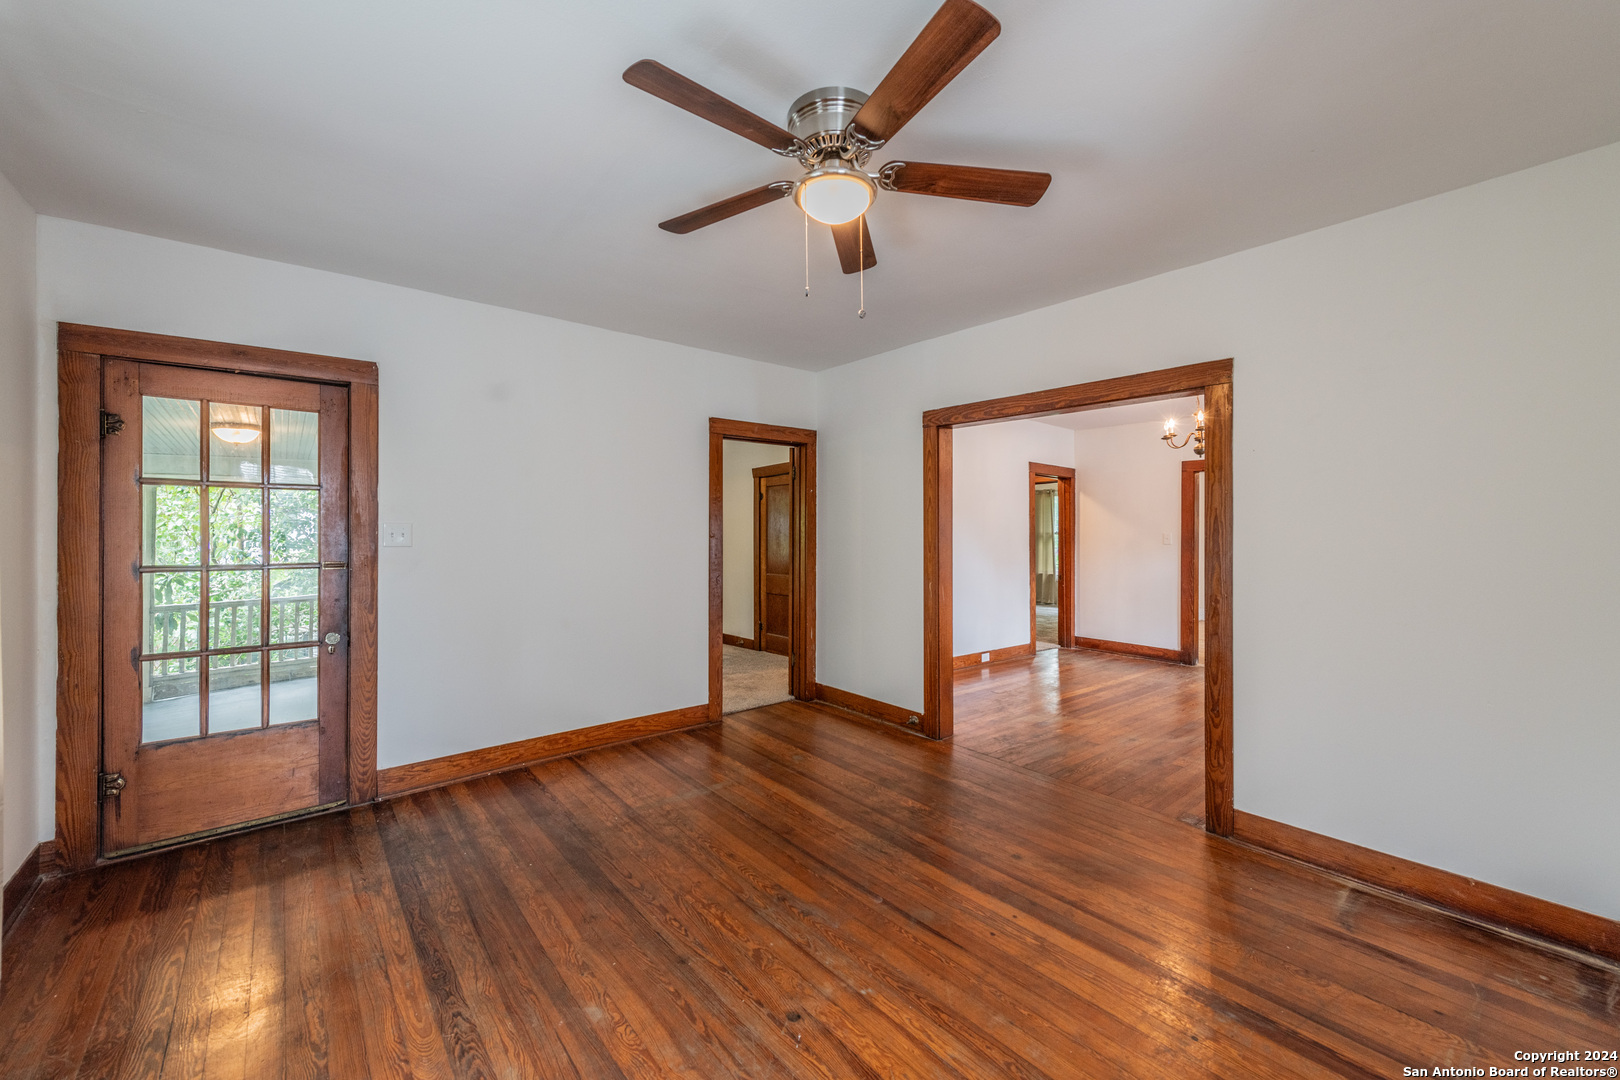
<point>752,679</point>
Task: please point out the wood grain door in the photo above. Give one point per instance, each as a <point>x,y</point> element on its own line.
<point>224,585</point>
<point>773,558</point>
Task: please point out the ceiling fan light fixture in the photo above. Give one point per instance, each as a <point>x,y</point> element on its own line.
<point>834,193</point>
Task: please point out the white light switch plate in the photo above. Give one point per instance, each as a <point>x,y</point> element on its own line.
<point>396,535</point>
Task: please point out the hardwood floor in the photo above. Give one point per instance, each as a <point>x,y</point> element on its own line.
<point>1116,725</point>
<point>792,893</point>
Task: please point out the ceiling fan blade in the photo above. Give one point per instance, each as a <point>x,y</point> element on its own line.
<point>854,240</point>
<point>957,33</point>
<point>725,208</point>
<point>1013,187</point>
<point>678,90</point>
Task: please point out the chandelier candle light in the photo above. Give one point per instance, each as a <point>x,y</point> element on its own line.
<point>1196,434</point>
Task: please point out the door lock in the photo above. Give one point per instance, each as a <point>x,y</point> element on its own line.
<point>332,640</point>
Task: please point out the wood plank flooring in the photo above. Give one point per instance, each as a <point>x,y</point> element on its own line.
<point>1116,725</point>
<point>792,893</point>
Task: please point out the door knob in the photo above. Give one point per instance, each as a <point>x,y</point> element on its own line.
<point>332,640</point>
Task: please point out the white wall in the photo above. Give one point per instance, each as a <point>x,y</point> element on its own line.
<point>990,544</point>
<point>20,826</point>
<point>1425,570</point>
<point>740,459</point>
<point>495,625</point>
<point>1128,500</point>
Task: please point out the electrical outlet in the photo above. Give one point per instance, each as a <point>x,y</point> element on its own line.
<point>396,535</point>
<point>984,658</point>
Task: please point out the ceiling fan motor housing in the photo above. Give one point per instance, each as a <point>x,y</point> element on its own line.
<point>820,119</point>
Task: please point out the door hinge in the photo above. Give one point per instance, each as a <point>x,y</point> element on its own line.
<point>111,423</point>
<point>135,659</point>
<point>112,785</point>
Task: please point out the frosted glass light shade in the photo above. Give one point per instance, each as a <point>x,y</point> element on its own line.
<point>835,199</point>
<point>235,434</point>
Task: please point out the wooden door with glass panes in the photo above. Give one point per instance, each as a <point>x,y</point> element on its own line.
<point>224,636</point>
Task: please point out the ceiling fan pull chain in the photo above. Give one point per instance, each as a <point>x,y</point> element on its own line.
<point>861,232</point>
<point>806,254</point>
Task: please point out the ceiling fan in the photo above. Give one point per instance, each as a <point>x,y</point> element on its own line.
<point>832,132</point>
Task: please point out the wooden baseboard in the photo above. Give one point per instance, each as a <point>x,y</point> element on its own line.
<point>1011,652</point>
<point>20,888</point>
<point>740,642</point>
<point>1478,900</point>
<point>403,779</point>
<point>879,710</point>
<point>1150,652</point>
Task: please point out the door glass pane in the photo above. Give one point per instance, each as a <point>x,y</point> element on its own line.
<point>234,700</point>
<point>235,524</point>
<point>294,605</point>
<point>293,686</point>
<point>235,442</point>
<point>295,518</point>
<point>295,453</point>
<point>173,603</point>
<point>170,439</point>
<point>171,525</point>
<point>169,699</point>
<point>234,600</point>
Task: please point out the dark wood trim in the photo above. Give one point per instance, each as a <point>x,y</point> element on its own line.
<point>1490,904</point>
<point>939,719</point>
<point>740,642</point>
<point>1218,783</point>
<point>214,355</point>
<point>802,444</point>
<point>1065,564</point>
<point>784,468</point>
<point>1150,652</point>
<point>1214,381</point>
<point>1011,652</point>
<point>364,526</point>
<point>748,431</point>
<point>36,866</point>
<point>437,772</point>
<point>78,607</point>
<point>80,352</point>
<point>878,710</point>
<point>1189,559</point>
<point>1165,383</point>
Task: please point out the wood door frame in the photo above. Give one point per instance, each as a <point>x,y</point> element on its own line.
<point>785,467</point>
<point>1065,560</point>
<point>1214,381</point>
<point>1189,559</point>
<point>80,351</point>
<point>801,443</point>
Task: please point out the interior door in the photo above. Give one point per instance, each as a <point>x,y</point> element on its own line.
<point>773,559</point>
<point>224,594</point>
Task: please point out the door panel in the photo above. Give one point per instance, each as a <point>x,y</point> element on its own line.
<point>225,549</point>
<point>775,563</point>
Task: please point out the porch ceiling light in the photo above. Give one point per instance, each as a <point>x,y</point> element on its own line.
<point>235,432</point>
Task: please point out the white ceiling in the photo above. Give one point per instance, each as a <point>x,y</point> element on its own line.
<point>1135,412</point>
<point>487,149</point>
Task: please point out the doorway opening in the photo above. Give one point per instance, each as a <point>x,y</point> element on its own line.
<point>1141,645</point>
<point>1192,561</point>
<point>761,565</point>
<point>1051,556</point>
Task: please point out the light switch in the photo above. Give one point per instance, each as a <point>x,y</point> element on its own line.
<point>1167,538</point>
<point>396,535</point>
